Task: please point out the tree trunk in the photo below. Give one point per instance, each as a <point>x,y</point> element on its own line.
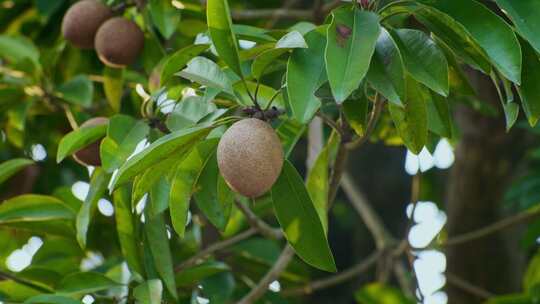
<point>486,159</point>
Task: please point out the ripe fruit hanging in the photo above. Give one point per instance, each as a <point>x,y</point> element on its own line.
<point>119,42</point>
<point>250,157</point>
<point>89,155</point>
<point>82,20</point>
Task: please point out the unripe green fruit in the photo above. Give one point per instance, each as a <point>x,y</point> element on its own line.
<point>89,155</point>
<point>250,157</point>
<point>119,42</point>
<point>82,20</point>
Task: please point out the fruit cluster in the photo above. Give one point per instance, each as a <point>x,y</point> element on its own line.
<point>90,24</point>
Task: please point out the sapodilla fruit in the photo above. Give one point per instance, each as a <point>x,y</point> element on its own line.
<point>89,155</point>
<point>82,20</point>
<point>119,42</point>
<point>250,157</point>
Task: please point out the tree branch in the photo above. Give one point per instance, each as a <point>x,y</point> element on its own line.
<point>215,247</point>
<point>468,287</point>
<point>258,223</point>
<point>26,283</point>
<point>519,218</point>
<point>337,278</point>
<point>261,288</point>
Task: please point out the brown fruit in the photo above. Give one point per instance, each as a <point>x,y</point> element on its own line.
<point>250,157</point>
<point>82,20</point>
<point>119,42</point>
<point>89,155</point>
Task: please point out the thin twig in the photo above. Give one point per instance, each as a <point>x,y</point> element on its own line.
<point>519,218</point>
<point>373,118</point>
<point>32,285</point>
<point>258,223</point>
<point>215,247</point>
<point>468,287</point>
<point>70,117</point>
<point>336,279</point>
<point>262,287</point>
<point>331,123</point>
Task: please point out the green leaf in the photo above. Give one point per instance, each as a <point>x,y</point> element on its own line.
<point>165,17</point>
<point>78,139</point>
<point>51,299</point>
<point>156,236</point>
<point>511,114</point>
<point>185,178</point>
<point>317,180</point>
<point>113,85</point>
<point>532,275</point>
<point>219,288</point>
<point>16,291</point>
<point>356,113</point>
<point>439,116</point>
<point>159,197</point>
<point>81,283</point>
<point>423,59</point>
<point>220,28</point>
<point>126,229</point>
<point>351,39</point>
<point>179,59</point>
<point>529,90</point>
<point>377,293</point>
<point>17,48</point>
<point>78,90</point>
<point>300,221</point>
<point>490,31</point>
<point>524,15</point>
<point>150,292</point>
<point>98,187</point>
<point>447,29</point>
<point>290,132</point>
<point>12,166</point>
<point>386,72</point>
<point>123,134</point>
<point>305,69</point>
<point>144,182</point>
<point>212,195</point>
<point>176,144</point>
<point>206,72</point>
<point>290,41</point>
<point>264,95</point>
<point>34,208</point>
<point>411,120</point>
<point>188,112</point>
<point>192,276</point>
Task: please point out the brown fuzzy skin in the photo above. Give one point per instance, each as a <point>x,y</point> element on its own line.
<point>89,155</point>
<point>250,157</point>
<point>82,20</point>
<point>119,42</point>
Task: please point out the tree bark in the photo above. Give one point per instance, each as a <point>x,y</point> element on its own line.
<point>486,159</point>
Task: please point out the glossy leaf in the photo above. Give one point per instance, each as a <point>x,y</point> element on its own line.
<point>206,72</point>
<point>177,144</point>
<point>411,120</point>
<point>184,181</point>
<point>78,90</point>
<point>51,299</point>
<point>529,90</point>
<point>299,219</point>
<point>213,197</point>
<point>356,113</point>
<point>156,236</point>
<point>12,166</point>
<point>159,197</point>
<point>143,183</point>
<point>290,132</point>
<point>98,187</point>
<point>351,39</point>
<point>524,15</point>
<point>123,134</point>
<point>126,229</point>
<point>149,292</point>
<point>164,16</point>
<point>78,139</point>
<point>220,28</point>
<point>188,112</point>
<point>179,59</point>
<point>423,59</point>
<point>290,41</point>
<point>439,116</point>
<point>81,283</point>
<point>17,48</point>
<point>305,70</point>
<point>499,42</point>
<point>386,72</point>
<point>113,85</point>
<point>32,208</point>
<point>193,276</point>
